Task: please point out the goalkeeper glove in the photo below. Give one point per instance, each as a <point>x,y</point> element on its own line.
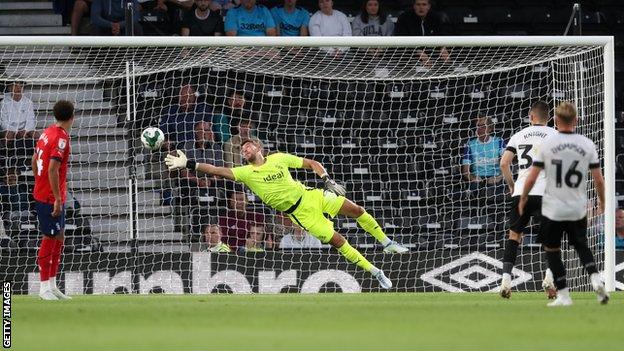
<point>334,187</point>
<point>180,161</point>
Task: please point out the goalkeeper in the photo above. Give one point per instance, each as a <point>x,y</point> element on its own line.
<point>269,178</point>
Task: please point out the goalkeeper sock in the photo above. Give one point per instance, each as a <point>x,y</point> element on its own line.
<point>368,223</point>
<point>509,257</point>
<point>354,256</point>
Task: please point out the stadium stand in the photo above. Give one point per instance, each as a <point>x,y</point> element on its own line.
<point>99,155</point>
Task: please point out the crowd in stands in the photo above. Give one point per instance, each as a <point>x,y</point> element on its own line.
<point>214,134</point>
<point>250,18</point>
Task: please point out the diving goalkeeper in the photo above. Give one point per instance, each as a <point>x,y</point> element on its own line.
<point>269,178</point>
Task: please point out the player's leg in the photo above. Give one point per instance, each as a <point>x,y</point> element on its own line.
<point>354,256</point>
<point>552,232</point>
<point>370,225</point>
<point>577,236</point>
<point>309,215</point>
<point>53,229</point>
<point>46,249</point>
<point>509,260</point>
<point>56,260</point>
<point>517,225</point>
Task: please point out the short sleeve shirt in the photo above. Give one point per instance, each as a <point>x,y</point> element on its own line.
<point>272,181</point>
<point>249,23</point>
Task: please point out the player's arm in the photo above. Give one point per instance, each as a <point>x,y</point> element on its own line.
<point>54,179</point>
<point>33,164</point>
<point>596,174</point>
<point>320,171</point>
<point>180,161</point>
<point>534,172</point>
<point>505,167</point>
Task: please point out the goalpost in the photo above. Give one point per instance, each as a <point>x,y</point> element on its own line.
<point>388,117</point>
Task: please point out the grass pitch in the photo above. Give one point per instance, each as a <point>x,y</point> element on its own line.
<point>345,322</point>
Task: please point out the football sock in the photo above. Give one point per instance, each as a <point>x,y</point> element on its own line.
<point>44,258</point>
<point>370,225</point>
<point>56,257</point>
<point>557,268</point>
<point>586,258</point>
<point>354,256</point>
<point>509,257</point>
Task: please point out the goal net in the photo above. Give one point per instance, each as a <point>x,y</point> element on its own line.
<point>390,121</point>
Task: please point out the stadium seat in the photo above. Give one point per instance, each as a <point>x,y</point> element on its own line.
<point>444,192</point>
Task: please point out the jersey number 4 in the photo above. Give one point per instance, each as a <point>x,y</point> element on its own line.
<point>570,174</point>
<point>39,161</point>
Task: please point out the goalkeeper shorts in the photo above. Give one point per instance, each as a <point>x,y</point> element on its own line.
<point>310,214</point>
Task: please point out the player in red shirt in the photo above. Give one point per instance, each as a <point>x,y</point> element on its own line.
<point>49,163</point>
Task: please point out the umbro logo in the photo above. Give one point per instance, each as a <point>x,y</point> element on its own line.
<point>473,272</point>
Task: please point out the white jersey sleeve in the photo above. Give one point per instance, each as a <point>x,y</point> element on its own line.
<point>526,144</point>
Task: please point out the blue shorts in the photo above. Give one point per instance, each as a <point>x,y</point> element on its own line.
<point>49,225</point>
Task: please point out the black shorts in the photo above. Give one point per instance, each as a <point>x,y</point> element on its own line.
<point>518,223</point>
<point>551,232</point>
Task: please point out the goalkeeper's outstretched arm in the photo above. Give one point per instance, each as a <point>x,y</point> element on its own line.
<point>330,184</point>
<point>180,162</point>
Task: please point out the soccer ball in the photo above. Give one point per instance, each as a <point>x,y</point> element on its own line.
<point>152,138</point>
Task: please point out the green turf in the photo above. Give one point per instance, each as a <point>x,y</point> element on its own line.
<point>317,322</point>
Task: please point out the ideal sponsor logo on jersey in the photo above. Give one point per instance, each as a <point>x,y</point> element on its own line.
<point>561,147</point>
<point>273,177</point>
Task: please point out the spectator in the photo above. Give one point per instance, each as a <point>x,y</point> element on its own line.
<point>108,18</point>
<point>223,5</point>
<point>231,115</point>
<point>179,122</point>
<point>297,238</point>
<point>237,224</point>
<point>232,148</point>
<point>14,197</point>
<point>420,21</point>
<point>255,239</point>
<point>205,150</point>
<point>290,20</point>
<point>17,121</point>
<point>249,19</point>
<point>329,22</point>
<point>81,8</point>
<point>202,21</point>
<point>165,15</point>
<point>480,163</point>
<point>372,20</point>
<point>212,237</point>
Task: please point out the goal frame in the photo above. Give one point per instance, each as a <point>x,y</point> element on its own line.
<point>607,42</point>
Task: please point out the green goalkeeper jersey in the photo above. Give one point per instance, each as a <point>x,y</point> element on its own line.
<point>272,181</point>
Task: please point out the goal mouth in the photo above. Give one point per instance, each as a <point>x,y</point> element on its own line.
<point>390,119</point>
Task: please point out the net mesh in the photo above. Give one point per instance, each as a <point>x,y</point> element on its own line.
<point>391,124</point>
